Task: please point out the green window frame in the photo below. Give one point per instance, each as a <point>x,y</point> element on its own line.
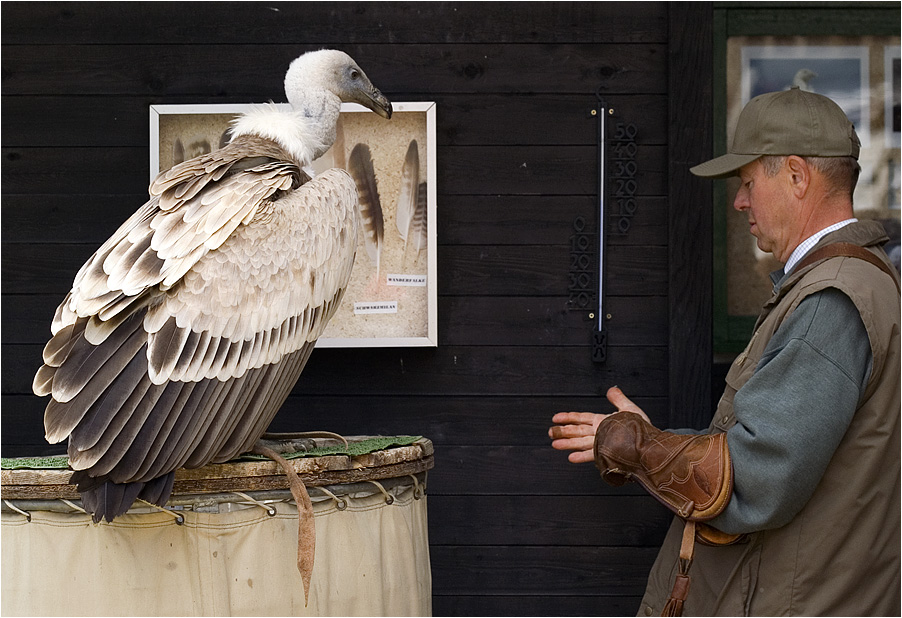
<point>731,19</point>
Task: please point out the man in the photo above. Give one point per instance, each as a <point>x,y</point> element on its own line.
<point>790,502</point>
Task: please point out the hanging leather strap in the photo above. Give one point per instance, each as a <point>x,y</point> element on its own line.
<point>674,605</point>
<point>846,249</point>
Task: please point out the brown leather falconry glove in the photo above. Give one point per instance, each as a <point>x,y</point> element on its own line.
<point>690,474</point>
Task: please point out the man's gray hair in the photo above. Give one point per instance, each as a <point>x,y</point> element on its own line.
<point>841,173</point>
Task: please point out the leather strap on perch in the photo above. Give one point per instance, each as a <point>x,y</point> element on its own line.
<point>306,525</point>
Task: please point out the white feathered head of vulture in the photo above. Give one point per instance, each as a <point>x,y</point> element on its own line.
<point>315,84</point>
<point>185,332</point>
<point>335,72</point>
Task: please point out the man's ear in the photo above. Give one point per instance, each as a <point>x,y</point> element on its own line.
<point>799,174</point>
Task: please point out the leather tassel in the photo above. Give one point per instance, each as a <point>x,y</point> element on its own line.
<point>306,525</point>
<point>674,605</point>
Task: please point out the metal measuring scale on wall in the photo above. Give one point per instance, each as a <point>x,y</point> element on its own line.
<point>617,169</point>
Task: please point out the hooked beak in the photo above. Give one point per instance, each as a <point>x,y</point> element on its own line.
<point>370,97</point>
<point>373,99</point>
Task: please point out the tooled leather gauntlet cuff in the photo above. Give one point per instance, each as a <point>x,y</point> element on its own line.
<point>690,474</point>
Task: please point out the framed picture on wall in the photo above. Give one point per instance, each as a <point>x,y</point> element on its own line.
<point>391,298</point>
<point>839,72</point>
<point>855,72</point>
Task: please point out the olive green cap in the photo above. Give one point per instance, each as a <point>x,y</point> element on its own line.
<point>789,122</point>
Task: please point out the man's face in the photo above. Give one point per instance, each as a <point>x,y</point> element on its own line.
<point>765,201</point>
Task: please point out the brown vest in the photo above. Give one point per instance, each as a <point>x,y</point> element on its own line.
<point>840,555</point>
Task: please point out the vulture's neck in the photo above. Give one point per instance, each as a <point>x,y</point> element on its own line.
<point>307,131</point>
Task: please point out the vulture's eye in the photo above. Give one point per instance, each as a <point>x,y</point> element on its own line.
<point>355,74</point>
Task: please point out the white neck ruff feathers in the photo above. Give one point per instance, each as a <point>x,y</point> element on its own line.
<point>290,129</point>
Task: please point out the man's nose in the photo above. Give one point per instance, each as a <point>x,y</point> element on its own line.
<point>741,202</point>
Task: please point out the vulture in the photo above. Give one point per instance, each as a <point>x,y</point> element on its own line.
<point>184,333</point>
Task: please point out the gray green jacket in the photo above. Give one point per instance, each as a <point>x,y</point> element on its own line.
<point>830,543</point>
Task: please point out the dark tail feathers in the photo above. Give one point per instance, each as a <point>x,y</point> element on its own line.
<point>107,500</point>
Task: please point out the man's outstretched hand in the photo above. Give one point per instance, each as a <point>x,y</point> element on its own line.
<point>575,431</point>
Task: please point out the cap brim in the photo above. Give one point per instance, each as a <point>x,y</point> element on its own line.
<point>724,166</point>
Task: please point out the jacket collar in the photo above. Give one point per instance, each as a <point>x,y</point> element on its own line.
<point>861,233</point>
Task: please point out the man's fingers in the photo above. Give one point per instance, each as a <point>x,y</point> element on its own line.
<point>574,418</point>
<point>621,401</point>
<point>574,444</point>
<point>575,431</point>
<point>570,431</point>
<point>581,457</point>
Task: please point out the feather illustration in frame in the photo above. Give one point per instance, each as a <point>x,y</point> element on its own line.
<point>360,166</point>
<point>196,147</point>
<point>407,196</point>
<point>419,225</point>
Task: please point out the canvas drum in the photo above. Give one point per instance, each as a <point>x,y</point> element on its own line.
<point>227,542</point>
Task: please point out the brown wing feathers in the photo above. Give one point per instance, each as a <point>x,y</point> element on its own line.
<point>176,423</point>
<point>145,375</point>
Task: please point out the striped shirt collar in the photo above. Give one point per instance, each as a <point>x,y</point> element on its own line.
<point>807,244</point>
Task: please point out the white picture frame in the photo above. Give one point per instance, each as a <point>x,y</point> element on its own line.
<point>393,303</point>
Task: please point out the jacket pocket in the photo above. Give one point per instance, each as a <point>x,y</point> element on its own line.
<point>742,369</point>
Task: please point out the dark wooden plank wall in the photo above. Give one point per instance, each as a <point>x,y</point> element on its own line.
<point>515,530</point>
